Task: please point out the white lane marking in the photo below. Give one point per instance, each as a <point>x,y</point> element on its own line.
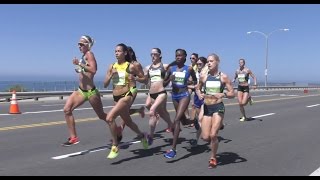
<point>316,172</point>
<point>313,105</point>
<point>288,95</point>
<point>5,114</point>
<point>91,151</point>
<point>263,115</point>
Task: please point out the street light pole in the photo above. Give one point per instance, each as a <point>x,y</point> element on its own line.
<point>267,49</point>
<point>266,69</point>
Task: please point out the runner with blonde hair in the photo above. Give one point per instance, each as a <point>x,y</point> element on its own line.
<point>213,83</point>
<point>86,67</point>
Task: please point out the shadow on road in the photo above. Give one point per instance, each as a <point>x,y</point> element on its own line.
<point>223,140</point>
<point>142,153</point>
<point>253,119</point>
<point>199,149</point>
<point>225,158</point>
<point>127,145</point>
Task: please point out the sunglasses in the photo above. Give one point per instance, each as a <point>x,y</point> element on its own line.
<point>193,58</point>
<point>81,44</point>
<point>199,64</point>
<point>154,54</point>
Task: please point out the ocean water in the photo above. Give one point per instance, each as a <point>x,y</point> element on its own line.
<point>42,86</point>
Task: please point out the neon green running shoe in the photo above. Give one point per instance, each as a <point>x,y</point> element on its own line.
<point>114,152</point>
<point>144,141</point>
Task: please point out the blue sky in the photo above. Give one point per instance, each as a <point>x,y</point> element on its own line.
<point>39,41</point>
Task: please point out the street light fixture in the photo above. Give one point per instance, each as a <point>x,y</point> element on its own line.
<point>267,39</point>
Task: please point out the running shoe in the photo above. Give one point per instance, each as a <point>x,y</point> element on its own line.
<point>168,130</point>
<point>144,141</point>
<point>212,163</point>
<point>243,119</point>
<point>114,152</point>
<point>193,143</point>
<point>71,141</point>
<point>170,154</point>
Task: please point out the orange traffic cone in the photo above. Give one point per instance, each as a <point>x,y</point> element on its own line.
<point>14,108</point>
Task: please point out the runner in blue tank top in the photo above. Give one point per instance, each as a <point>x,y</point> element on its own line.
<point>179,75</point>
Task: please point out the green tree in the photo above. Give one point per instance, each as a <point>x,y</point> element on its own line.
<point>17,88</point>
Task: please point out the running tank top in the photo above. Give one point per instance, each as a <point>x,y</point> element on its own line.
<point>80,69</point>
<point>156,74</point>
<point>122,77</point>
<point>195,68</point>
<point>198,76</point>
<point>243,76</point>
<point>181,76</point>
<point>214,85</point>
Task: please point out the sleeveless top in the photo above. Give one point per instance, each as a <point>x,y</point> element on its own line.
<point>156,74</point>
<point>122,77</point>
<point>198,76</point>
<point>214,85</point>
<point>181,77</point>
<point>243,76</point>
<point>80,69</point>
<point>195,68</point>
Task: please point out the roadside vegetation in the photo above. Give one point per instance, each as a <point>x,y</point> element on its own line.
<point>17,88</point>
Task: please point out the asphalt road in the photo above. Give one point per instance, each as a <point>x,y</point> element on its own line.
<point>281,139</point>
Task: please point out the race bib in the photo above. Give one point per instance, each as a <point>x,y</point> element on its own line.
<point>242,78</point>
<point>155,75</point>
<point>213,87</point>
<point>179,78</point>
<point>120,79</point>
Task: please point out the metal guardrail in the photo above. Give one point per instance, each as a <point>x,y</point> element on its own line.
<point>60,94</point>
